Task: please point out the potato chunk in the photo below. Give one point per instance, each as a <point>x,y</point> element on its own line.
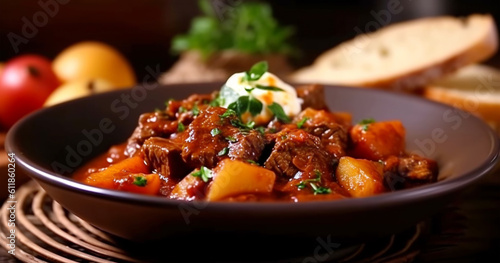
<point>378,140</point>
<point>233,177</point>
<point>360,177</point>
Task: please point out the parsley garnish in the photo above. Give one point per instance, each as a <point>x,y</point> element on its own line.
<point>195,110</point>
<point>230,139</point>
<point>278,111</point>
<point>256,71</point>
<point>217,102</point>
<point>365,123</point>
<point>215,131</point>
<point>168,101</point>
<point>204,173</point>
<point>253,162</point>
<point>261,129</point>
<point>224,151</point>
<point>180,127</point>
<point>182,109</point>
<point>312,182</point>
<point>246,103</point>
<point>271,88</point>
<point>228,113</point>
<point>302,122</point>
<point>140,181</point>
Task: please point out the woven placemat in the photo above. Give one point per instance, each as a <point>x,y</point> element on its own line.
<point>46,232</point>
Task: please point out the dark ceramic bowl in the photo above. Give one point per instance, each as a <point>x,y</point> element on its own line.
<point>52,142</point>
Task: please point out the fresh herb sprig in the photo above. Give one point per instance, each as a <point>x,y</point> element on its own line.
<point>365,123</point>
<point>250,28</point>
<point>204,173</point>
<point>313,183</point>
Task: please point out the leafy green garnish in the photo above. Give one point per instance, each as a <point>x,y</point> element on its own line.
<point>230,139</point>
<point>302,122</point>
<point>204,173</point>
<point>140,181</point>
<point>180,127</point>
<point>247,27</point>
<point>246,103</point>
<point>195,110</point>
<point>271,88</point>
<point>256,71</point>
<point>223,152</point>
<point>320,189</point>
<point>312,182</point>
<point>365,123</point>
<point>217,102</point>
<point>182,109</point>
<point>278,111</point>
<point>215,131</point>
<point>253,162</point>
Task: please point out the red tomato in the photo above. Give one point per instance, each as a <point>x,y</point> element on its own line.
<point>25,83</point>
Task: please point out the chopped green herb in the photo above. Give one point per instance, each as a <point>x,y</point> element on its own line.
<point>302,122</point>
<point>228,113</point>
<point>365,123</point>
<point>168,101</point>
<point>182,109</point>
<point>256,71</point>
<point>249,90</point>
<point>246,103</point>
<point>223,152</point>
<point>230,139</point>
<point>215,131</point>
<point>312,182</point>
<point>238,124</point>
<point>217,102</point>
<point>261,129</point>
<point>195,110</point>
<point>278,111</point>
<point>271,88</point>
<point>204,173</point>
<point>140,181</point>
<point>158,110</point>
<point>253,162</point>
<point>180,127</point>
<point>320,189</point>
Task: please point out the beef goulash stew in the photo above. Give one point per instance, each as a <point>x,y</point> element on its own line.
<point>259,139</point>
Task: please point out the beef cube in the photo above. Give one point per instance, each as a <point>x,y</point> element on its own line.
<point>247,145</point>
<point>153,124</point>
<point>201,147</point>
<point>313,96</point>
<point>329,127</point>
<point>164,157</point>
<point>298,154</point>
<point>418,168</point>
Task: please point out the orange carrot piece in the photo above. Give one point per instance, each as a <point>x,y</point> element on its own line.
<point>108,177</point>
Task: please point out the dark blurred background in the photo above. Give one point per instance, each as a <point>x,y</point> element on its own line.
<point>142,30</point>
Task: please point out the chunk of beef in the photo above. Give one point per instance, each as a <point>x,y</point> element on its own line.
<point>409,171</point>
<point>329,127</point>
<point>153,124</point>
<point>210,138</point>
<point>313,96</point>
<point>298,154</point>
<point>163,156</point>
<point>201,147</point>
<point>247,146</point>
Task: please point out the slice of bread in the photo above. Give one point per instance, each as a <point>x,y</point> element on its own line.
<point>475,89</point>
<point>405,55</point>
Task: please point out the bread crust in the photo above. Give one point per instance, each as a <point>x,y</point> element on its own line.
<point>480,50</point>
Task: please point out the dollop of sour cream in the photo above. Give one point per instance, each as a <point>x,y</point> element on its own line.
<point>237,86</point>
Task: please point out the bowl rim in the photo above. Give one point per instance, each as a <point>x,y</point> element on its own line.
<point>404,196</point>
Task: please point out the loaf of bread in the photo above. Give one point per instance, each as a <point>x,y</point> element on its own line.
<point>475,89</point>
<point>405,55</point>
